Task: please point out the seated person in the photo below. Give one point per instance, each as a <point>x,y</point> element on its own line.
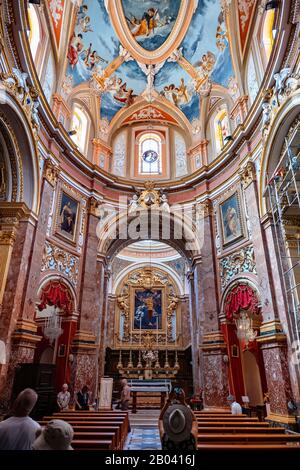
<point>82,399</point>
<point>236,408</point>
<point>125,395</point>
<point>63,398</point>
<point>18,431</point>
<point>178,426</point>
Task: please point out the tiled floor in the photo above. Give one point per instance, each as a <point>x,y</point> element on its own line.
<point>143,439</point>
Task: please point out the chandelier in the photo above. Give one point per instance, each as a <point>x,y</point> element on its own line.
<point>244,327</point>
<point>52,328</point>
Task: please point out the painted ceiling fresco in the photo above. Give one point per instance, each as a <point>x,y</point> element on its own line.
<point>151,21</point>
<point>95,50</point>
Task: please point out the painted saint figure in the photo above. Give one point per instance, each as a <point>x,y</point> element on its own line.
<point>67,218</point>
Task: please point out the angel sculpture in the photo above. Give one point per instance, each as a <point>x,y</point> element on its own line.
<point>150,71</point>
<point>173,301</point>
<point>133,204</point>
<point>164,203</point>
<point>280,78</point>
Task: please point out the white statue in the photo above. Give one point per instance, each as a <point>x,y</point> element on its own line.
<point>133,204</point>
<point>164,203</point>
<point>266,114</point>
<point>280,78</point>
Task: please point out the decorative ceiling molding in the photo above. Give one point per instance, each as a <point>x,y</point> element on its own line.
<point>150,113</point>
<point>173,41</point>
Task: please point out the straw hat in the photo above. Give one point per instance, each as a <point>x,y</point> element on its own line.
<point>57,435</point>
<point>178,422</point>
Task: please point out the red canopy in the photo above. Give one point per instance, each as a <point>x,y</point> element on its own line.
<point>241,297</point>
<point>56,293</point>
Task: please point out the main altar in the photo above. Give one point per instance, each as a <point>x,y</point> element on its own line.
<point>147,321</point>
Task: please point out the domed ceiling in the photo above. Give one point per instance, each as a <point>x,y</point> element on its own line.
<point>170,51</point>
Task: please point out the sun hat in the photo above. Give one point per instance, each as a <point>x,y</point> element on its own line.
<point>178,421</point>
<point>57,435</point>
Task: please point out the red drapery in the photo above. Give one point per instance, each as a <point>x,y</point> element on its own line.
<point>240,297</point>
<point>56,293</point>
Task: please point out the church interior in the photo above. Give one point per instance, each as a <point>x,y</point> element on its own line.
<point>150,216</point>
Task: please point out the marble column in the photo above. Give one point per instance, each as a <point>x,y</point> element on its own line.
<point>197,382</point>
<point>17,230</point>
<point>215,370</point>
<point>272,341</point>
<point>266,288</point>
<point>85,343</point>
<point>208,311</point>
<point>50,176</point>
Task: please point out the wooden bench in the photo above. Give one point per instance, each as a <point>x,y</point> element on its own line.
<point>93,423</point>
<point>236,438</point>
<point>239,430</point>
<point>241,424</point>
<point>95,444</point>
<point>238,447</point>
<point>227,420</point>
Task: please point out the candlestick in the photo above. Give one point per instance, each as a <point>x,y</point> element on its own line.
<point>140,330</point>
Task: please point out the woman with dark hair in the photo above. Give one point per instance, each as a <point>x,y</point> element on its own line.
<point>82,399</point>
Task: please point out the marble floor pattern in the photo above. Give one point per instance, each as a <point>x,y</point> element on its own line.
<point>143,439</point>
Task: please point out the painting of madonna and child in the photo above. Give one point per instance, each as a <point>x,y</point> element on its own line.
<point>148,309</point>
<point>151,21</point>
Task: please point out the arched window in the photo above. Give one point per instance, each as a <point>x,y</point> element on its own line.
<point>50,78</point>
<point>35,30</point>
<point>80,128</point>
<point>267,32</point>
<point>252,82</point>
<point>150,154</point>
<point>221,128</point>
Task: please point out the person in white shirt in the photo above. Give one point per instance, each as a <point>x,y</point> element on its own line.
<point>63,398</point>
<point>19,431</point>
<point>236,408</point>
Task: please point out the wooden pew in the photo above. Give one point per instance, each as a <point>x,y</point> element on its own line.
<point>249,438</point>
<point>265,447</point>
<point>95,423</point>
<point>95,444</point>
<point>227,420</point>
<point>231,424</point>
<point>239,430</point>
<point>102,436</point>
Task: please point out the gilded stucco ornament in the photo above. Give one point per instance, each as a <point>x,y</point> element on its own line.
<point>16,83</point>
<point>286,84</point>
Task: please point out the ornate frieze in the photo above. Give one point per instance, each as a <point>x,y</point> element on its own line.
<point>60,260</point>
<point>242,261</point>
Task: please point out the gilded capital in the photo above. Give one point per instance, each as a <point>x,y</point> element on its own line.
<point>94,206</point>
<point>7,237</point>
<point>204,209</point>
<point>248,174</point>
<point>51,172</point>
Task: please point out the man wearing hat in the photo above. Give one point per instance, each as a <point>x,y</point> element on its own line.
<point>57,435</point>
<point>177,423</point>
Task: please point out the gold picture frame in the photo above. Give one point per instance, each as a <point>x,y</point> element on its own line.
<point>231,219</point>
<point>67,215</point>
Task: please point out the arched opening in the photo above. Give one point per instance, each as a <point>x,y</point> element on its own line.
<point>247,378</point>
<point>57,326</point>
<point>148,334</point>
